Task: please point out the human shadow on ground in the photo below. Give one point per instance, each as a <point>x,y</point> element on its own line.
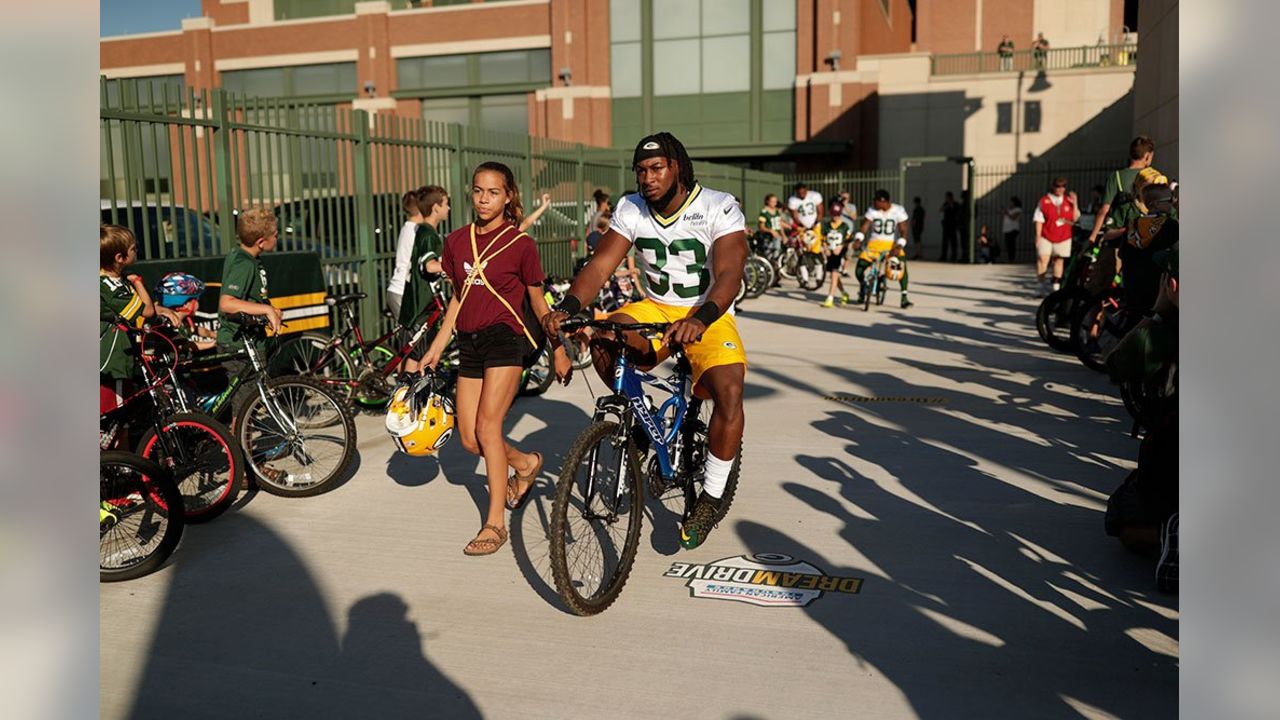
<point>971,605</point>
<point>245,632</point>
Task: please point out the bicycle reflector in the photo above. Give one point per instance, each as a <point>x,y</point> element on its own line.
<point>419,427</point>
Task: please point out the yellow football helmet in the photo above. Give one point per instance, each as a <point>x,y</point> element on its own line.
<point>419,427</point>
<point>1144,229</point>
<point>894,268</point>
<point>1146,176</point>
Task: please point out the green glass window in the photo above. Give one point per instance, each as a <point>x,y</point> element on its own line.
<point>676,19</point>
<point>726,17</point>
<point>296,81</point>
<point>726,64</point>
<point>676,66</point>
<point>779,60</point>
<point>625,70</point>
<point>509,113</point>
<point>449,110</point>
<point>624,21</point>
<point>467,72</point>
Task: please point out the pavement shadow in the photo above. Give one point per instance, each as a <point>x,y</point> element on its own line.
<point>245,632</point>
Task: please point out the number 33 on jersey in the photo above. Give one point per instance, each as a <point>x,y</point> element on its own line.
<point>675,252</point>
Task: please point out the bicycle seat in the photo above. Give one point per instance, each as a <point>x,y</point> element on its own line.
<point>335,300</point>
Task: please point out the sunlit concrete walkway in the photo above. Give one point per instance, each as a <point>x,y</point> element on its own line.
<point>968,498</point>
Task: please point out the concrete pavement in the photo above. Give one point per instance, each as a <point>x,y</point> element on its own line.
<point>967,497</point>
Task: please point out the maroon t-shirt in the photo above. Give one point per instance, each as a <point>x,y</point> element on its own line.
<point>511,271</point>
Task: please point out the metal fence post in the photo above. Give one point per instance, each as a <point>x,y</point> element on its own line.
<point>456,172</point>
<point>579,180</point>
<point>361,161</point>
<point>222,167</point>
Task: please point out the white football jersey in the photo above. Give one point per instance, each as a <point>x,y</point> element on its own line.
<point>807,208</point>
<point>675,252</point>
<point>884,223</point>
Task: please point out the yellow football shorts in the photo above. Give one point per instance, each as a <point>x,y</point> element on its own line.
<point>720,344</point>
<point>872,249</point>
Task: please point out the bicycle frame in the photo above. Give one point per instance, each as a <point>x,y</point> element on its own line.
<point>629,383</point>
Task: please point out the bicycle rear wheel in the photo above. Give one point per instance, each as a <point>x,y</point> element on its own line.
<point>301,442</point>
<point>758,273</point>
<point>595,528</point>
<point>679,498</point>
<point>139,516</point>
<point>811,271</point>
<point>311,354</point>
<point>204,460</point>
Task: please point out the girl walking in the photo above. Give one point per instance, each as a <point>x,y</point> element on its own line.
<point>494,267</point>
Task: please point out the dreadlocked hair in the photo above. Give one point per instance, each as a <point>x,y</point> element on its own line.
<point>513,212</point>
<point>674,149</point>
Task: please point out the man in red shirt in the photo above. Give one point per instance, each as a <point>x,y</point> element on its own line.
<point>1056,214</point>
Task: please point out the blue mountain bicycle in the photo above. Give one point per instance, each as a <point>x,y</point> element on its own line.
<point>874,282</point>
<point>630,443</point>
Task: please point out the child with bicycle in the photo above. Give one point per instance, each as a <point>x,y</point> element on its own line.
<point>244,279</point>
<point>424,271</point>
<point>122,295</point>
<point>496,307</point>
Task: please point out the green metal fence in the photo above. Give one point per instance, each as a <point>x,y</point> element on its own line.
<point>177,166</point>
<point>1087,56</point>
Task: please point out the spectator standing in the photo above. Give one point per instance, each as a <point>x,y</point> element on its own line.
<point>950,228</point>
<point>1055,215</point>
<point>1011,226</point>
<point>917,228</point>
<point>1005,51</point>
<point>1039,50</point>
<point>602,206</point>
<point>404,249</point>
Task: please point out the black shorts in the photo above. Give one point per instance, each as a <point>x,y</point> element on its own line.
<point>494,346</point>
<point>834,262</point>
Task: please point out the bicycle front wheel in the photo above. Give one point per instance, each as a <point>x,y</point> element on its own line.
<point>595,519</point>
<point>299,440</point>
<point>203,458</point>
<point>139,516</point>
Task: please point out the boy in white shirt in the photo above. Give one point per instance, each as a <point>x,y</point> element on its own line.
<point>404,250</point>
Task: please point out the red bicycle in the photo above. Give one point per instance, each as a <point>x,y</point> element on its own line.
<point>357,370</point>
<point>199,452</point>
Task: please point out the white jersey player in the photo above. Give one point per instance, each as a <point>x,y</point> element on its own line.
<point>884,227</point>
<point>692,245</point>
<point>805,207</point>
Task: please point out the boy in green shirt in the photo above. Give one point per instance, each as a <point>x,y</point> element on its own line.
<point>424,266</point>
<point>244,280</point>
<point>120,295</point>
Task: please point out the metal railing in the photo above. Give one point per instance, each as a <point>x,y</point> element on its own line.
<point>176,167</point>
<point>1087,56</point>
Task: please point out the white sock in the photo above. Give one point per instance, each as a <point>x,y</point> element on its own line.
<point>716,475</point>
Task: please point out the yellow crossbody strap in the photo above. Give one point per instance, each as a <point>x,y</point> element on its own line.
<point>477,270</point>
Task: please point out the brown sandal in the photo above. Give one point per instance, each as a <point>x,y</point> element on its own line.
<point>513,502</point>
<point>486,546</point>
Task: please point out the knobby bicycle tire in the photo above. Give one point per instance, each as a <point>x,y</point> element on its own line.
<point>148,493</point>
<point>266,449</point>
<point>204,441</point>
<point>596,433</point>
<point>731,484</point>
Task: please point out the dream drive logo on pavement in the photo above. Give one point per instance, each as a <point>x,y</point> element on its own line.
<point>764,579</point>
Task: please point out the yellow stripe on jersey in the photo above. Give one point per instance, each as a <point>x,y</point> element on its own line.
<point>668,221</point>
<point>133,309</point>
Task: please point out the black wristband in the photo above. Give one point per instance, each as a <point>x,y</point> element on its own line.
<point>708,313</point>
<point>570,305</point>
